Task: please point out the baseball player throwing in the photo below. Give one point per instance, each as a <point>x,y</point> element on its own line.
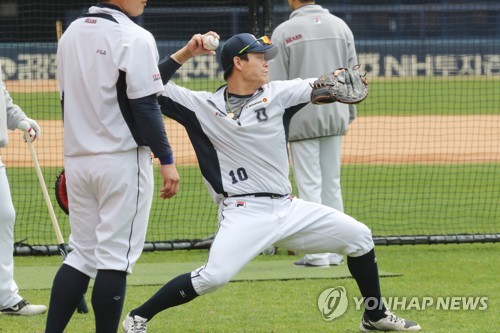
<point>108,82</point>
<point>239,135</point>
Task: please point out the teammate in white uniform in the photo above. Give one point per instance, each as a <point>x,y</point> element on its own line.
<point>109,82</point>
<point>11,117</point>
<point>239,136</point>
<point>313,42</point>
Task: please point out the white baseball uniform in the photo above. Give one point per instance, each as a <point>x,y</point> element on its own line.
<point>107,159</point>
<point>10,116</point>
<point>245,165</point>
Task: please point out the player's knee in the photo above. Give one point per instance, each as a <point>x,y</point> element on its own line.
<point>362,242</point>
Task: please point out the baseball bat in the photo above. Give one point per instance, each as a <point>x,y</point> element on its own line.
<point>58,29</point>
<point>82,305</point>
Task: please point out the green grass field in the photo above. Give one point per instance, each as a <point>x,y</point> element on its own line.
<point>393,200</point>
<point>401,97</point>
<point>431,96</point>
<point>46,105</point>
<point>276,306</point>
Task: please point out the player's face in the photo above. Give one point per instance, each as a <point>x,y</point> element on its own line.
<point>256,69</point>
<point>132,7</point>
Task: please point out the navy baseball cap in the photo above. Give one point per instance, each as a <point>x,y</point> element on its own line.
<point>243,43</point>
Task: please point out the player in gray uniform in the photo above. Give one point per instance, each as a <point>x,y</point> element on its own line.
<point>11,117</point>
<point>313,42</point>
<point>108,83</point>
<point>239,136</point>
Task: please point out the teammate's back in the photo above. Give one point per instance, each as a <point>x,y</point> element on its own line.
<point>312,35</point>
<point>107,78</point>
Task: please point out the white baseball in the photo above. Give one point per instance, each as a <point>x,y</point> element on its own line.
<point>210,43</point>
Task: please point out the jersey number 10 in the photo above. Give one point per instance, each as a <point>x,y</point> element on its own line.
<point>240,175</point>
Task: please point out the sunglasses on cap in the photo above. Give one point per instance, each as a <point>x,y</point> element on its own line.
<point>264,40</point>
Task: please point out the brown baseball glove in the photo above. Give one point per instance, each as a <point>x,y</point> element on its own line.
<point>61,193</point>
<point>343,85</point>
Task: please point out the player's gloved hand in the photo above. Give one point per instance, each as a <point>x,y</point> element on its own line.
<point>30,128</point>
<point>343,85</point>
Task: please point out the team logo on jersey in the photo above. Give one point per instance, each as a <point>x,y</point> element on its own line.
<point>293,39</point>
<point>317,20</point>
<point>261,115</point>
<point>156,77</point>
<point>240,204</point>
<point>91,20</point>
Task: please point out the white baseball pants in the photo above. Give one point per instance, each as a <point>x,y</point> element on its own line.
<point>248,225</point>
<point>110,197</point>
<point>8,288</point>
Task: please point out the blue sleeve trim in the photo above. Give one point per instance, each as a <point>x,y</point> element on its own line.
<point>168,67</point>
<point>167,159</point>
<point>148,128</point>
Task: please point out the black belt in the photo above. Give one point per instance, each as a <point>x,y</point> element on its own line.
<point>260,194</point>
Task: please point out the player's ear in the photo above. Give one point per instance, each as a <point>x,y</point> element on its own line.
<point>237,62</point>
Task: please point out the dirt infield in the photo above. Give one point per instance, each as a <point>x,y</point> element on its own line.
<point>49,148</point>
<point>29,86</point>
<point>425,139</point>
<point>413,139</point>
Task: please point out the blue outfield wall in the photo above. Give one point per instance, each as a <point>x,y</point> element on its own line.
<point>387,58</point>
